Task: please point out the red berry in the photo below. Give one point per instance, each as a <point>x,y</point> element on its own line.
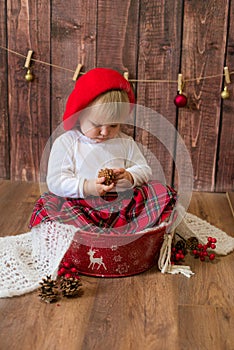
<point>66,264</point>
<point>205,247</point>
<point>181,256</point>
<point>214,240</point>
<point>177,256</point>
<point>195,252</point>
<point>77,277</point>
<point>61,271</point>
<point>68,275</point>
<point>212,256</point>
<point>200,246</point>
<point>173,249</point>
<point>202,258</point>
<point>209,239</point>
<point>73,269</point>
<point>213,246</point>
<point>205,253</point>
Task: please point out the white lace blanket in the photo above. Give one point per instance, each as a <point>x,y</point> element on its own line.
<point>26,258</point>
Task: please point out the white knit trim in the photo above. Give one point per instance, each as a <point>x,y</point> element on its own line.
<point>191,225</point>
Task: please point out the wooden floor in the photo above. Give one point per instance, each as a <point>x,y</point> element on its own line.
<point>148,311</point>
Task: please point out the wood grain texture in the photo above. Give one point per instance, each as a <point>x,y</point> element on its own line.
<point>117,40</point>
<point>204,40</point>
<point>127,320</point>
<point>4,121</point>
<point>197,334</point>
<point>202,289</point>
<point>28,103</point>
<point>159,55</point>
<point>144,37</point>
<point>225,165</point>
<point>117,30</point>
<point>73,41</point>
<point>230,198</point>
<point>148,311</point>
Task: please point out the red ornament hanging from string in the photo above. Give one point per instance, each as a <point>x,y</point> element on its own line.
<point>180,100</point>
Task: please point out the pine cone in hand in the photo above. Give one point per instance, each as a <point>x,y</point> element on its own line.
<point>108,174</point>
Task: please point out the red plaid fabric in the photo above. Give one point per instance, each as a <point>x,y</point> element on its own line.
<point>127,212</point>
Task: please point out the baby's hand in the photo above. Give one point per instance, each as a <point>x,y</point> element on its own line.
<point>96,187</point>
<point>123,178</point>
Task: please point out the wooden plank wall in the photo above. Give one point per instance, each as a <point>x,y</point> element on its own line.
<point>150,39</point>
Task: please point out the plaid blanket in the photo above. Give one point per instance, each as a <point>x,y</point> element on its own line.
<point>126,212</point>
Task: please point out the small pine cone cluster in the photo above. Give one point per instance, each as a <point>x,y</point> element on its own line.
<point>48,290</point>
<point>68,284</point>
<point>191,243</point>
<point>70,287</point>
<point>108,174</point>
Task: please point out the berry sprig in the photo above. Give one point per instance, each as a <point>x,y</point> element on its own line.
<point>178,252</point>
<point>68,270</point>
<point>201,250</point>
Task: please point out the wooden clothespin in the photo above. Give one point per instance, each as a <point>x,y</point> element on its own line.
<point>227,75</point>
<point>225,93</point>
<point>29,76</point>
<point>28,59</point>
<point>77,72</point>
<point>180,83</point>
<point>126,75</point>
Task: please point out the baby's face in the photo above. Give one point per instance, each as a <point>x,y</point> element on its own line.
<point>98,129</point>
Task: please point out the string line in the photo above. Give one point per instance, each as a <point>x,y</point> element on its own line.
<point>130,80</point>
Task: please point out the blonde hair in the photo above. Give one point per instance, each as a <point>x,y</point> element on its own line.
<point>113,104</point>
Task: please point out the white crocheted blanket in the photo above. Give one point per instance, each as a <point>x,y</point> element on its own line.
<point>27,258</point>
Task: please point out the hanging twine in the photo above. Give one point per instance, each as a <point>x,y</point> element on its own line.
<point>130,80</point>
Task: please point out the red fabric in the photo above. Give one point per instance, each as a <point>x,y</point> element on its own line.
<point>127,212</point>
<point>88,87</point>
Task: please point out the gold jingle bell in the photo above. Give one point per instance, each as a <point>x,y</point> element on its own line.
<point>29,76</point>
<point>225,93</point>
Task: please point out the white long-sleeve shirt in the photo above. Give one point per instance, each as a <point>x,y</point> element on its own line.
<point>75,158</point>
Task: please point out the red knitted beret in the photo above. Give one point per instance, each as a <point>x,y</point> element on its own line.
<point>88,87</point>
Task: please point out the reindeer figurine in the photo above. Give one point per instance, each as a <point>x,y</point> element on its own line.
<point>94,261</point>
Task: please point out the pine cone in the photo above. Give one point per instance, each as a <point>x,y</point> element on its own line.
<point>180,245</point>
<point>47,291</point>
<point>191,243</point>
<point>70,287</point>
<point>108,174</point>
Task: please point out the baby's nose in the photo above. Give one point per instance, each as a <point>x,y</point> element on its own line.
<point>104,130</point>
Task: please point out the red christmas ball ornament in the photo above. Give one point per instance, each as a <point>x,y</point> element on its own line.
<point>180,100</point>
